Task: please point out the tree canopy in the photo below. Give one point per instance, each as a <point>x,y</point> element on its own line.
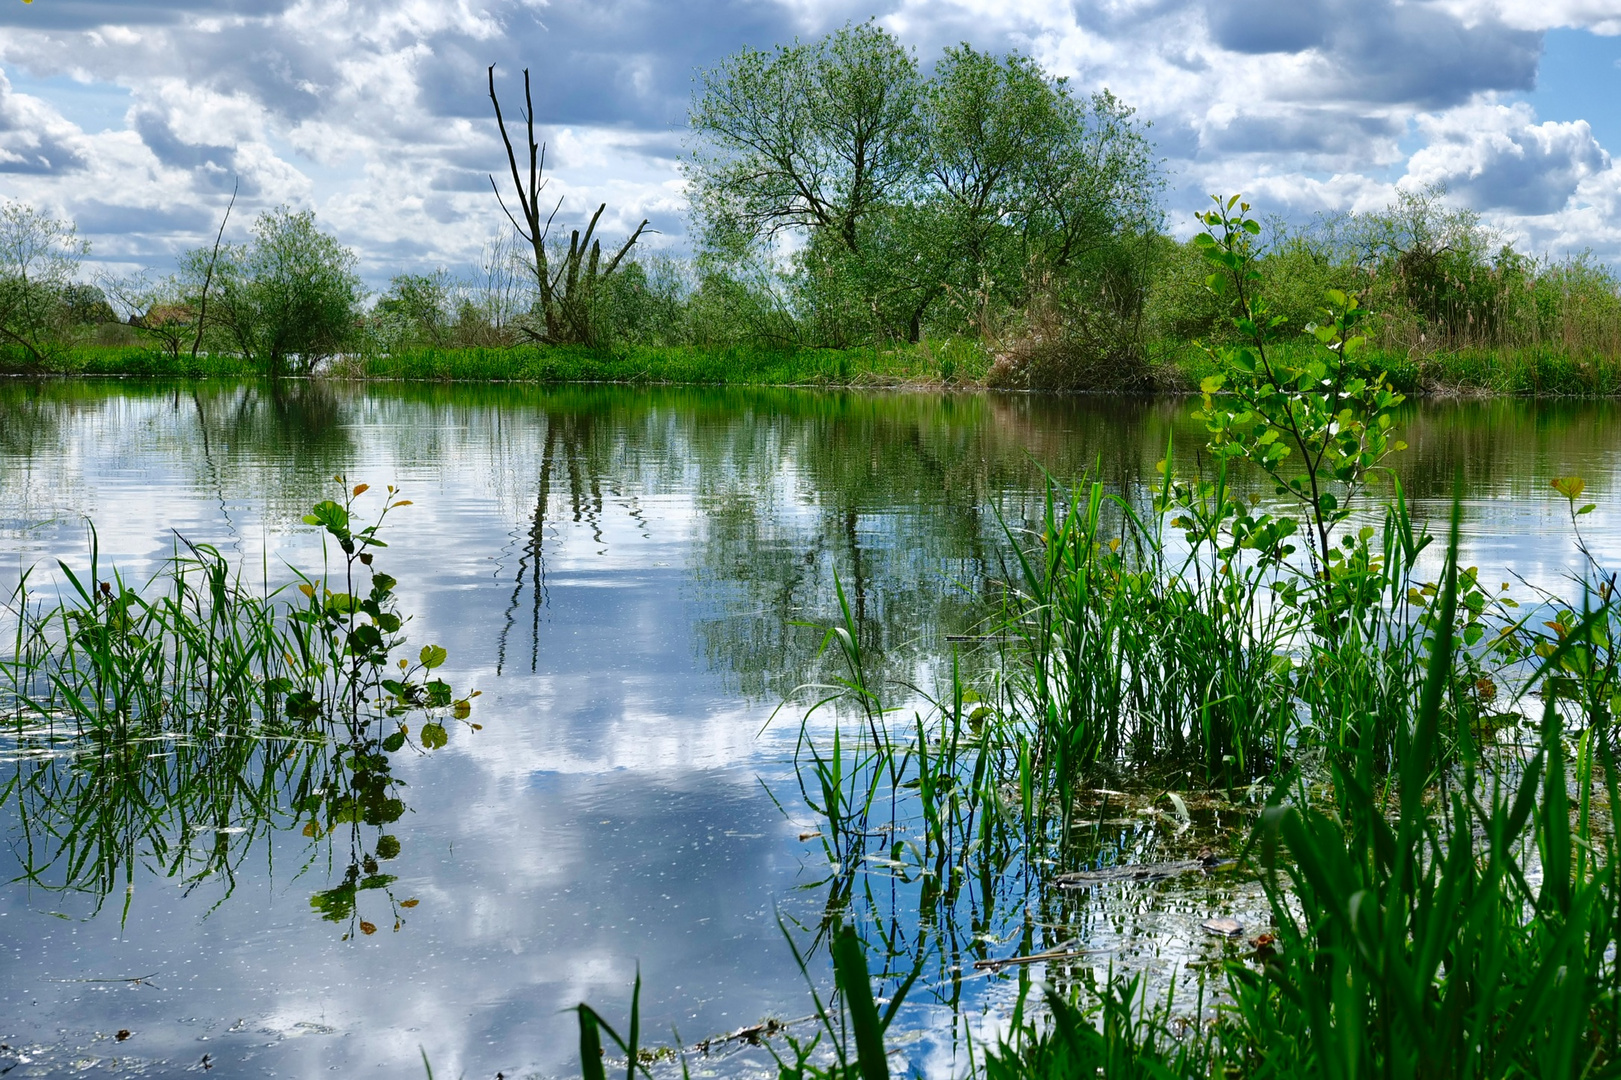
<point>898,191</point>
<point>290,297</point>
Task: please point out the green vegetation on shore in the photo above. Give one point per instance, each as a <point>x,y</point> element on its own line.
<point>991,226</point>
<point>960,363</point>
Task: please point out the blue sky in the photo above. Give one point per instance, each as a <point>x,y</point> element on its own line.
<point>1579,78</point>
<point>135,118</point>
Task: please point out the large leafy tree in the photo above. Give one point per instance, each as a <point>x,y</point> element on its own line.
<point>969,187</point>
<point>288,299</point>
<point>813,137</point>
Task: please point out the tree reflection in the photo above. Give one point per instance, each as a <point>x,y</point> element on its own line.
<point>905,494</point>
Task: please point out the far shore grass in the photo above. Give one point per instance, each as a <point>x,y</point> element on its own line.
<point>1177,367</point>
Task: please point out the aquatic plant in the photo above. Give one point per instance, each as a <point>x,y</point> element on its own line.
<point>145,717</point>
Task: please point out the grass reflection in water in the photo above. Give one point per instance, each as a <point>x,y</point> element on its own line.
<point>176,724</point>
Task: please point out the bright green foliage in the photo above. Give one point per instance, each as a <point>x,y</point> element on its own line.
<point>353,633</point>
<point>946,202</point>
<point>1412,939</point>
<point>807,137</point>
<point>417,310</point>
<point>1128,649</point>
<point>1333,419</point>
<point>1123,1036</point>
<point>267,709</point>
<point>1440,906</point>
<point>288,299</point>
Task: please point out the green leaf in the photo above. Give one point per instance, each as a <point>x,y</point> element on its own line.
<point>394,741</point>
<point>434,736</point>
<point>329,515</point>
<point>432,656</point>
<point>590,1046</point>
<point>850,971</point>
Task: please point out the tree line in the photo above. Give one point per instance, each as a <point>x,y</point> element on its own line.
<point>839,197</point>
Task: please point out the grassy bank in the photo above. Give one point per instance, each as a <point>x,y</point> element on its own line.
<point>124,361</point>
<point>948,363</point>
<point>733,365</point>
<point>1176,367</point>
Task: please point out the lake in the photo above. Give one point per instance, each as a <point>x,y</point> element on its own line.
<point>634,578</point>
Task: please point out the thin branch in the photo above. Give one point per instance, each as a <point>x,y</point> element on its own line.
<point>614,262</point>
<point>208,278</point>
<point>507,212</point>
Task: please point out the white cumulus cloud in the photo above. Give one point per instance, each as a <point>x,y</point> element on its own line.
<point>376,114</point>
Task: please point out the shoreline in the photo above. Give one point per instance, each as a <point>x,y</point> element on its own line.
<point>1174,370</point>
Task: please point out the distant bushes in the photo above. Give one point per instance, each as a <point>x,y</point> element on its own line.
<point>1435,277</point>
<point>283,302</point>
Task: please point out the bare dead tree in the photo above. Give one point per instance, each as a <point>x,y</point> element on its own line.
<point>567,292</point>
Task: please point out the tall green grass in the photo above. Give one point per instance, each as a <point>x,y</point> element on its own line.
<point>1178,366</point>
<point>125,360</point>
<point>743,365</point>
<point>1447,905</point>
<point>951,362</point>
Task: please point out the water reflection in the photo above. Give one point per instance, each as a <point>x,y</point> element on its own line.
<point>95,816</point>
<point>626,572</point>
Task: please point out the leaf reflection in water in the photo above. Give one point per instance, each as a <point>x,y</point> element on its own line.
<point>173,728</point>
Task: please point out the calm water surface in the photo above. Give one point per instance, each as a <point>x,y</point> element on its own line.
<point>622,572</point>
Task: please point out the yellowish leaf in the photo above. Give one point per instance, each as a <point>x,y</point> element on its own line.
<point>1571,487</point>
